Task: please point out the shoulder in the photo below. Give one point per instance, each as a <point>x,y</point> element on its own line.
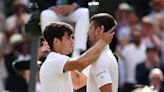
<point>56,56</point>
<point>54,63</point>
<point>54,59</point>
<point>106,60</point>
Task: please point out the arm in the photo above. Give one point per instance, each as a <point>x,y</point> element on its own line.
<point>90,55</point>
<point>78,79</point>
<point>85,59</point>
<point>106,88</point>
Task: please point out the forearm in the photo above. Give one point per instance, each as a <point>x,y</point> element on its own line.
<point>78,80</point>
<point>106,88</point>
<point>92,54</point>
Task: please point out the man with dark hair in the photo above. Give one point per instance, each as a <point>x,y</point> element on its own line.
<point>54,73</point>
<point>103,75</point>
<point>71,11</point>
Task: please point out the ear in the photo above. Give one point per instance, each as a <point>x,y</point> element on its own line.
<point>56,41</point>
<point>99,30</point>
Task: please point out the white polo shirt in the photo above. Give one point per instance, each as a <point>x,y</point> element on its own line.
<point>52,77</point>
<point>103,71</point>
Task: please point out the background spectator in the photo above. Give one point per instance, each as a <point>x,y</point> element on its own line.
<point>143,69</point>
<point>156,79</point>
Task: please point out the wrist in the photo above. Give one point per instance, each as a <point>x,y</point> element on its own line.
<point>103,41</point>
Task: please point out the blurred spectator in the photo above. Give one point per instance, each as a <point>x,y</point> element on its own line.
<point>121,15</point>
<point>143,69</point>
<point>132,54</point>
<point>25,2</point>
<point>3,71</point>
<point>8,7</point>
<point>142,7</point>
<point>16,22</point>
<point>148,37</point>
<point>144,89</point>
<point>133,21</point>
<point>16,82</point>
<point>2,15</point>
<point>69,11</point>
<point>123,41</point>
<point>162,38</point>
<point>156,9</point>
<point>156,79</point>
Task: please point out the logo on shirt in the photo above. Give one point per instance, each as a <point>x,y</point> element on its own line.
<point>97,75</point>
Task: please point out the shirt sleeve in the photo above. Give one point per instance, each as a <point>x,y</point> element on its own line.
<point>57,63</point>
<point>61,63</point>
<point>101,75</point>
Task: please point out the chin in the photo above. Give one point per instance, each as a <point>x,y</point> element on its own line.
<point>69,52</point>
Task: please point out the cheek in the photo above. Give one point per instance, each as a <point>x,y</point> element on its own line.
<point>66,45</point>
<point>89,33</point>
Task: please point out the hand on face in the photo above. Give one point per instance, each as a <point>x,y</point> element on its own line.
<point>107,36</point>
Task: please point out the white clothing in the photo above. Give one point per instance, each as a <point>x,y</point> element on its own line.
<point>52,77</point>
<point>11,21</point>
<point>133,55</point>
<point>103,71</point>
<point>22,57</point>
<point>80,16</point>
<point>123,33</point>
<point>151,41</point>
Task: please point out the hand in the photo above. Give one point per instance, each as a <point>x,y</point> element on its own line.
<point>44,47</point>
<point>64,10</point>
<point>107,36</point>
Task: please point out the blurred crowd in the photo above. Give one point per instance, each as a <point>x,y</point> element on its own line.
<point>139,41</point>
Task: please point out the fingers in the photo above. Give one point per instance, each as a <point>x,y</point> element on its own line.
<point>109,31</point>
<point>102,28</point>
<point>108,36</point>
<point>112,29</point>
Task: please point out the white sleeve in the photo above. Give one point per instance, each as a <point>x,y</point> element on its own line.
<point>101,75</point>
<point>11,23</point>
<point>57,63</point>
<point>60,65</point>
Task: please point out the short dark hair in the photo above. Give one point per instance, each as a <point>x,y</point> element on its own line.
<point>104,19</point>
<point>56,30</point>
<point>151,48</point>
